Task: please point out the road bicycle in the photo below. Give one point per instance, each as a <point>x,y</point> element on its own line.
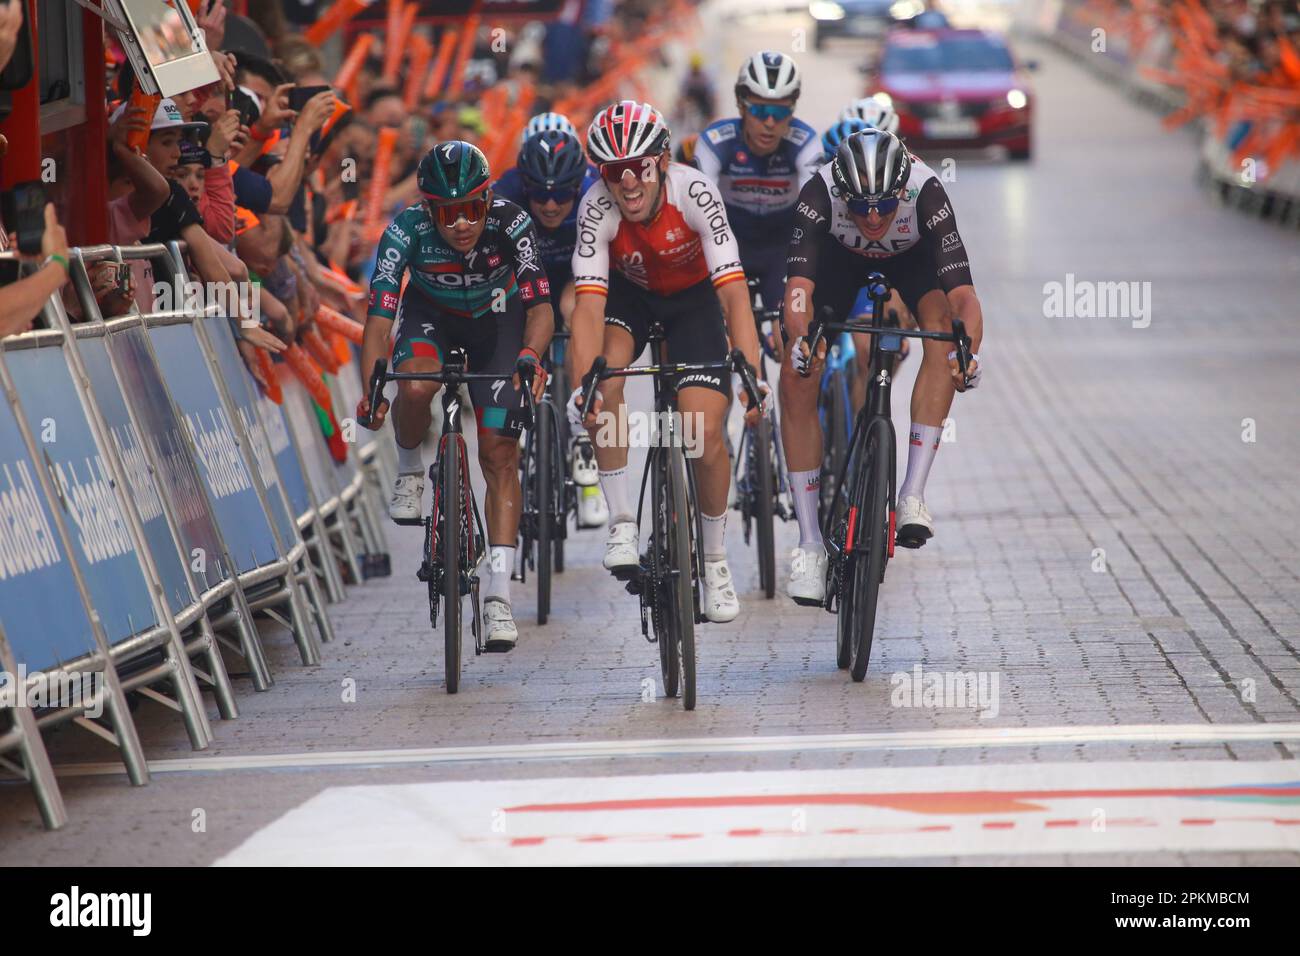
<point>454,539</point>
<point>667,580</point>
<point>859,526</point>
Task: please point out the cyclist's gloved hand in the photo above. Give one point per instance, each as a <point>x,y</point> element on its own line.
<point>975,368</point>
<point>801,355</point>
<point>529,373</point>
<point>575,415</point>
<point>764,398</point>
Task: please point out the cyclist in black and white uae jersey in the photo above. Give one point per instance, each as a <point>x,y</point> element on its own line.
<point>654,245</point>
<point>760,160</point>
<point>476,284</point>
<point>874,208</point>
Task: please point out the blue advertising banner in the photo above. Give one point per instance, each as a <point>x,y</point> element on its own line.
<point>243,392</point>
<point>176,472</point>
<point>94,519</point>
<point>286,458</point>
<point>143,489</point>
<point>39,605</point>
<point>238,511</point>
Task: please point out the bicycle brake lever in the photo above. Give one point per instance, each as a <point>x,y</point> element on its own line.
<point>962,343</point>
<point>589,382</point>
<point>377,378</point>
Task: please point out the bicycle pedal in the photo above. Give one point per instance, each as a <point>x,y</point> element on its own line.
<point>807,602</point>
<point>911,540</point>
<point>409,522</point>
<point>627,572</point>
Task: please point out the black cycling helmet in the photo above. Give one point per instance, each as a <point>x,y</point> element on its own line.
<point>871,165</point>
<point>552,159</point>
<point>453,170</point>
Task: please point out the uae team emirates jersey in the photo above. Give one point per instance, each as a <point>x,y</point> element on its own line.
<point>686,242</point>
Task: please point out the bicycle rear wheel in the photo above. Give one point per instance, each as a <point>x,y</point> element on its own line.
<point>764,505</point>
<point>661,557</point>
<point>868,565</point>
<point>452,543</point>
<point>682,581</point>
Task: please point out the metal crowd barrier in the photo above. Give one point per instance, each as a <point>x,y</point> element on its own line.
<point>152,503</point>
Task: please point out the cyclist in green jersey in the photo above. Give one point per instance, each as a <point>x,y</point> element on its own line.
<point>475,283</point>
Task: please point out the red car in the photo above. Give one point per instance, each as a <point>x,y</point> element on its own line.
<point>957,89</point>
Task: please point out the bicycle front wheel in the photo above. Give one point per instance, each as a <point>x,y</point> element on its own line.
<point>764,510</point>
<point>544,499</point>
<point>453,542</point>
<point>682,602</point>
<point>834,402</point>
<point>868,563</point>
<point>662,557</point>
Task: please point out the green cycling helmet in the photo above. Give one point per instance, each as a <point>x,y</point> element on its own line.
<point>453,170</point>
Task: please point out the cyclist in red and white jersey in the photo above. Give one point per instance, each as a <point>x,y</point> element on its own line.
<point>654,244</point>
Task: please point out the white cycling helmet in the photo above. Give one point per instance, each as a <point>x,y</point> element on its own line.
<point>769,76</point>
<point>626,130</point>
<point>547,121</point>
<point>876,111</point>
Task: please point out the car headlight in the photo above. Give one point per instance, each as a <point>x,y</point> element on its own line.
<point>826,10</point>
<point>1017,99</point>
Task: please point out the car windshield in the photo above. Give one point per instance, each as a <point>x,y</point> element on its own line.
<point>944,56</point>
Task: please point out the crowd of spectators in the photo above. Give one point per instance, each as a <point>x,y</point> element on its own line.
<point>277,197</point>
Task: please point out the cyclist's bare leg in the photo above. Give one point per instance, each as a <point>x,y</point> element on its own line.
<point>801,434</point>
<point>413,412</point>
<point>611,453</point>
<point>498,456</point>
<point>934,390</point>
<point>704,415</point>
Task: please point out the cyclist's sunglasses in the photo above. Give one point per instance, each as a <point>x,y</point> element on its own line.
<point>642,167</point>
<point>472,210</point>
<point>860,207</point>
<point>558,194</point>
<point>764,111</point>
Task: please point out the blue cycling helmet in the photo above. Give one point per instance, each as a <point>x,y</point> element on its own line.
<point>837,134</point>
<point>552,159</point>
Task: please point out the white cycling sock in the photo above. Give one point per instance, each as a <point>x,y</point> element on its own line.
<point>807,486</point>
<point>614,484</point>
<point>922,444</point>
<point>501,564</point>
<point>715,536</point>
<point>410,461</point>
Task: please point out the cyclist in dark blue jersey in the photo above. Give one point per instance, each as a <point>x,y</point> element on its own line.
<point>760,160</point>
<point>550,176</point>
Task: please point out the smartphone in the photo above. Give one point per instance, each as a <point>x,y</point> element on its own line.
<point>247,106</point>
<point>299,95</point>
<point>23,209</point>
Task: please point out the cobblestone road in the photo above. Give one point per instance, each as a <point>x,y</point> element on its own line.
<point>1109,548</point>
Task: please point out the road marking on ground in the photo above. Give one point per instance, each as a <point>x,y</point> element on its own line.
<point>909,812</point>
<point>687,746</point>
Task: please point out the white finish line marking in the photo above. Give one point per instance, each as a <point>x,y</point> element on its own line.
<point>686,746</point>
<point>794,815</point>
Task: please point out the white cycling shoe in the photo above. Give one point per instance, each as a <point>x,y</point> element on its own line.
<point>621,546</point>
<point>586,472</point>
<point>915,526</point>
<point>592,510</point>
<point>408,497</point>
<point>499,624</point>
<point>807,577</point>
<point>720,602</point>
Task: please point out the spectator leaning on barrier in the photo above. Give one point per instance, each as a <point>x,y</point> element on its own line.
<point>21,301</point>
